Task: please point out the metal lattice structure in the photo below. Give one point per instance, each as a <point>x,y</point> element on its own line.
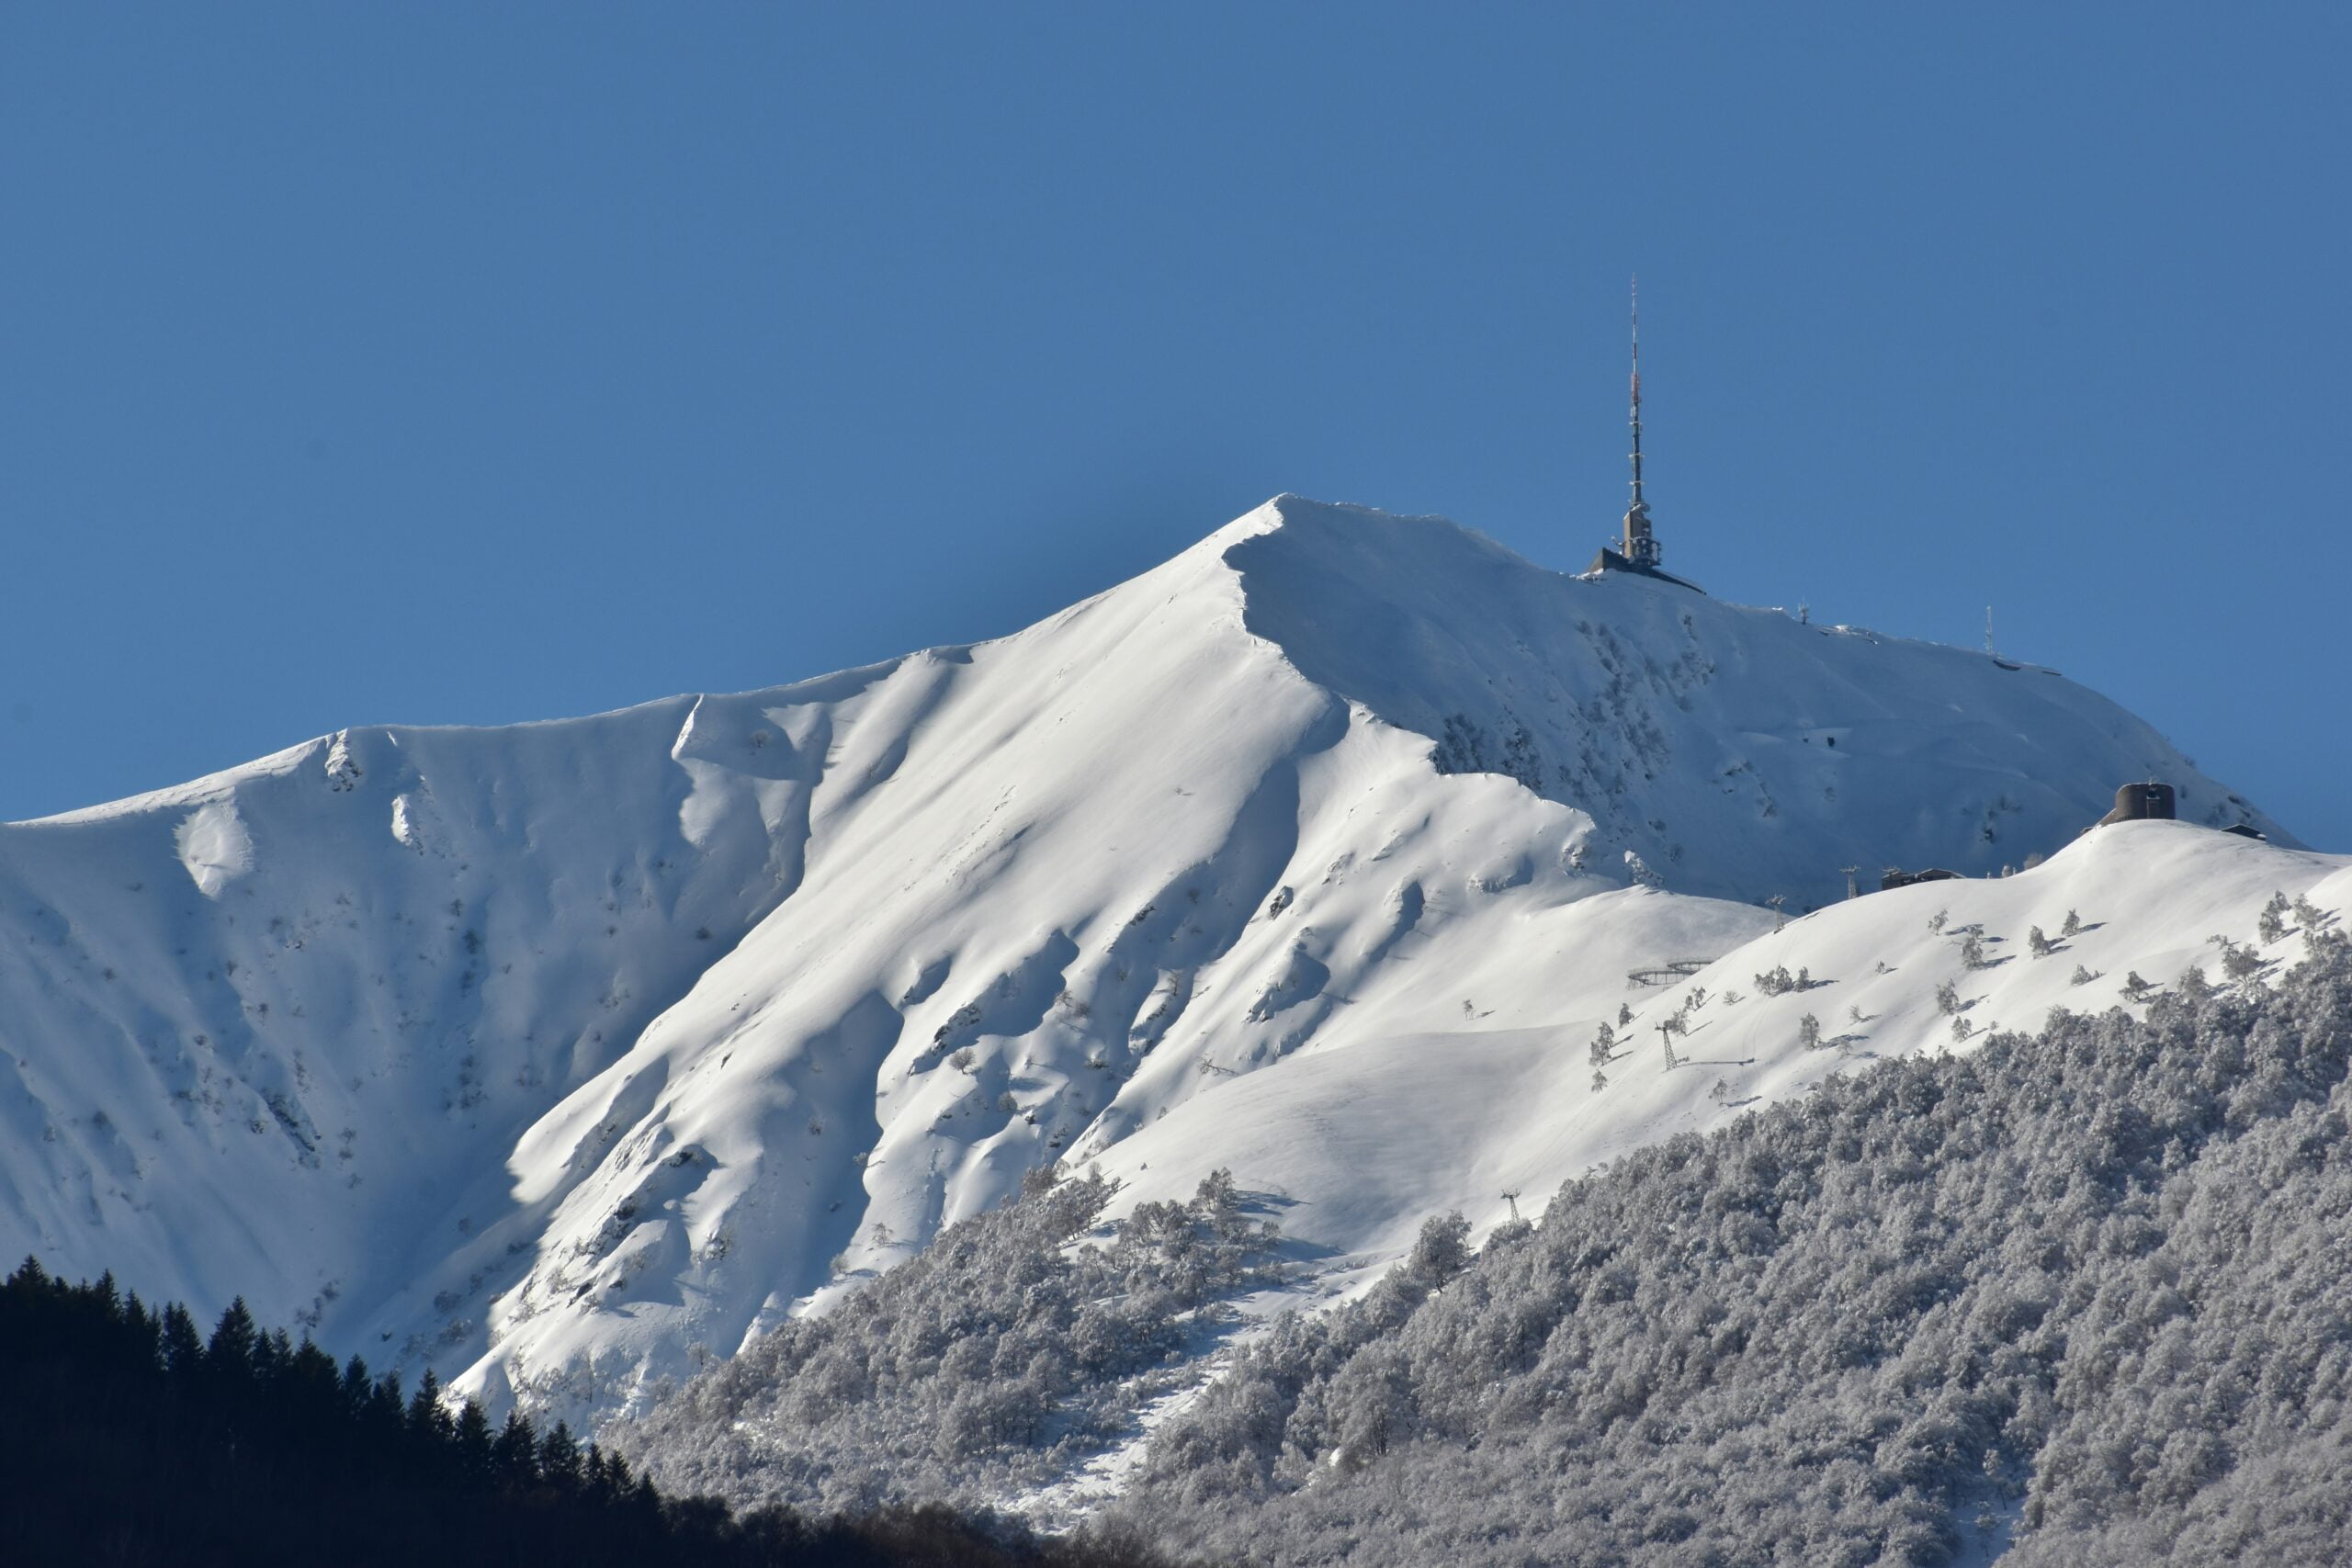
<point>1667,973</point>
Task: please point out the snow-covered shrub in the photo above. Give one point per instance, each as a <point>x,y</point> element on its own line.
<point>2072,925</point>
<point>1936,921</point>
<point>1948,998</point>
<point>2083,977</point>
<point>1972,952</point>
<point>2037,944</point>
<point>1776,981</point>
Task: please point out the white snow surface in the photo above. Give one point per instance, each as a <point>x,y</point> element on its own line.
<point>562,1056</point>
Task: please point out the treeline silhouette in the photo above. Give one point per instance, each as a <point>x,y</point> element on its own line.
<point>128,1437</point>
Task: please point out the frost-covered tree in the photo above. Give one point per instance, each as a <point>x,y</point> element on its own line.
<point>1948,998</point>
<point>1604,1046</point>
<point>1008,1349</point>
<point>1936,921</point>
<point>2036,943</point>
<point>1809,1033</point>
<point>2072,925</point>
<point>2270,925</point>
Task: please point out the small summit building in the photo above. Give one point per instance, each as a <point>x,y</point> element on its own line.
<point>1637,551</point>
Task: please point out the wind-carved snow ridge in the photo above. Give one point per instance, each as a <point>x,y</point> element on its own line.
<point>562,1057</point>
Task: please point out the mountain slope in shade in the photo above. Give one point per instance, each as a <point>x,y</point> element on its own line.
<point>564,1055</point>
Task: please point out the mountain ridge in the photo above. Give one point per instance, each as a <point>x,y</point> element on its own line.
<point>652,1027</point>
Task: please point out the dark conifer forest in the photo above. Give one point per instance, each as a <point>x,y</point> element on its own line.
<point>129,1438</point>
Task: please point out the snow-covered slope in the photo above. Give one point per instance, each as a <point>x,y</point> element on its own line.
<point>1424,1123</point>
<point>560,1055</point>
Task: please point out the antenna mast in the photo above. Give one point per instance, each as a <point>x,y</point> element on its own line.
<point>1641,546</point>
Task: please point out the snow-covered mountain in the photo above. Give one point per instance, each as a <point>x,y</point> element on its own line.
<point>565,1055</point>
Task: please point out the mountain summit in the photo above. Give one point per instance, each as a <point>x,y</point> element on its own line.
<point>563,1055</point>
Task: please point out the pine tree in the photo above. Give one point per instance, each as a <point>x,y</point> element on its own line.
<point>559,1459</point>
<point>426,1417</point>
<point>230,1351</point>
<point>514,1453</point>
<point>471,1429</point>
<point>182,1352</point>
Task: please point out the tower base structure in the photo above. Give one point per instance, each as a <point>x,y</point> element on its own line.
<point>1611,560</point>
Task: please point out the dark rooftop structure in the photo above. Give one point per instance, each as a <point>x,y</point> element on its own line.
<point>2149,802</point>
<point>1894,876</point>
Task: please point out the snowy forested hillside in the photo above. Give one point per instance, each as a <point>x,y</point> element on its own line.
<point>566,1056</point>
<point>2078,1295</point>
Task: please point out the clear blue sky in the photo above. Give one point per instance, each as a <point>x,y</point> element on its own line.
<point>476,363</point>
